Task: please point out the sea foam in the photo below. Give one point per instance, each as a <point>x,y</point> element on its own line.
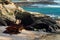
<point>45,5</point>
<point>54,16</point>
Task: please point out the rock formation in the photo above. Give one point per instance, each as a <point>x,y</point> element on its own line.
<point>7,10</point>
<point>32,22</point>
<point>10,13</point>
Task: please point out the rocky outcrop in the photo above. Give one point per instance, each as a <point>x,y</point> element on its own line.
<point>34,21</point>
<point>7,11</point>
<point>10,13</point>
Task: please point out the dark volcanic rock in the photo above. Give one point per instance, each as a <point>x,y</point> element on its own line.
<point>25,17</point>
<point>2,22</point>
<point>32,22</point>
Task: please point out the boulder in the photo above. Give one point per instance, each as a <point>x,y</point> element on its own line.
<point>31,22</point>
<point>25,17</point>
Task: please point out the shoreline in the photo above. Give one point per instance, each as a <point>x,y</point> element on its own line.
<point>29,3</point>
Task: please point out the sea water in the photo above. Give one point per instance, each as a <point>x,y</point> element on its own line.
<point>50,10</point>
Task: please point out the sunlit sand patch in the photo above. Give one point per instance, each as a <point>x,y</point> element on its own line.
<point>5,38</point>
<point>26,33</point>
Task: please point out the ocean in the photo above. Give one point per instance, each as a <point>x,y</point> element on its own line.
<point>50,10</point>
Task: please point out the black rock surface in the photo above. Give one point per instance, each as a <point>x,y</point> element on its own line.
<point>30,22</point>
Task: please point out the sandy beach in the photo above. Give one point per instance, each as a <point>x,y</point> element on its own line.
<point>29,35</point>
<point>8,7</point>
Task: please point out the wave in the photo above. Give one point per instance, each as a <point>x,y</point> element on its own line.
<point>58,6</point>
<point>38,5</point>
<point>57,1</point>
<point>54,16</point>
<point>45,5</point>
